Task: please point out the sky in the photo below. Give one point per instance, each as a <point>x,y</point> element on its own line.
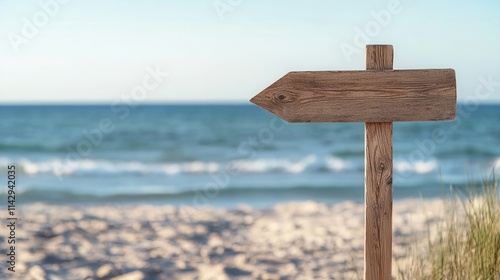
<point>157,51</point>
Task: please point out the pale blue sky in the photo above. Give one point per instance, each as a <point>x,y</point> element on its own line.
<point>97,50</point>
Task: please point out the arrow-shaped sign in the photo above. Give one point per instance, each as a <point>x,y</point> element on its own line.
<point>362,96</point>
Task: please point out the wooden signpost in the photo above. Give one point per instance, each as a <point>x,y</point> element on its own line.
<point>378,97</point>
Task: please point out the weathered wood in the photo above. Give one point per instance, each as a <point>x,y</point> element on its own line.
<point>362,96</point>
<point>378,97</point>
<point>378,181</point>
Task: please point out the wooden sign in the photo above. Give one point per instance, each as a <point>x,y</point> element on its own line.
<point>362,96</point>
<point>377,97</point>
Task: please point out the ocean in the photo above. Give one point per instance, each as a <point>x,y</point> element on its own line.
<point>226,155</point>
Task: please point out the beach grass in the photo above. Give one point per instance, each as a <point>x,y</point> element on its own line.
<point>465,244</point>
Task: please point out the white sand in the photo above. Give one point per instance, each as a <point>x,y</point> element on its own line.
<point>298,240</point>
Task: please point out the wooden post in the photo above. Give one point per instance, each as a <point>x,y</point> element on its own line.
<point>378,98</point>
<point>378,181</point>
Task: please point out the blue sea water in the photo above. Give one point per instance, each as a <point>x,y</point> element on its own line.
<point>224,155</point>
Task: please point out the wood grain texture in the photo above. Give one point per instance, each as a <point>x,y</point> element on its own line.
<point>362,96</point>
<point>378,201</point>
<point>378,181</point>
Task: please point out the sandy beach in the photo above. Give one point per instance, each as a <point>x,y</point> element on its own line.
<point>295,240</point>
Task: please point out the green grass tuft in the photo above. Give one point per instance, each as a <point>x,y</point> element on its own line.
<point>467,245</point>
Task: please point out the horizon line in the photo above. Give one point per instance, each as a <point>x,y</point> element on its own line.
<point>162,103</point>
